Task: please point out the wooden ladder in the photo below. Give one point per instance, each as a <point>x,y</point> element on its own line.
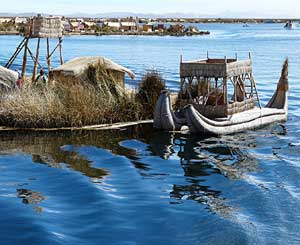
<point>254,92</point>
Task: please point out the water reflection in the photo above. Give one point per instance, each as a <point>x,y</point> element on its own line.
<point>200,159</point>
<point>47,148</point>
<point>228,154</point>
<point>31,197</point>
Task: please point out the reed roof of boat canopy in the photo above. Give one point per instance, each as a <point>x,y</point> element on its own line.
<point>215,67</point>
<point>79,65</point>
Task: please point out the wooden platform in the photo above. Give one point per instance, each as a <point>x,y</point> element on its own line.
<point>92,127</point>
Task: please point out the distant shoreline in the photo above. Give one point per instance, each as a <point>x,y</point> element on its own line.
<point>201,33</point>
<point>167,33</point>
<point>232,20</point>
<point>10,33</point>
<point>179,34</point>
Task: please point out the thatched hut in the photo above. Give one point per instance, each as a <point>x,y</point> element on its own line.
<point>76,70</point>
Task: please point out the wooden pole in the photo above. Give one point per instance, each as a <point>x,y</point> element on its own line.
<point>48,58</point>
<point>58,45</point>
<point>208,87</point>
<point>36,59</point>
<point>225,90</point>
<point>60,51</point>
<point>235,88</point>
<point>16,53</point>
<point>216,90</point>
<point>32,57</point>
<point>182,81</point>
<point>190,79</point>
<point>24,59</point>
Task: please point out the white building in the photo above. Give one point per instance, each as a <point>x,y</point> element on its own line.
<point>20,20</point>
<point>5,20</point>
<point>113,25</point>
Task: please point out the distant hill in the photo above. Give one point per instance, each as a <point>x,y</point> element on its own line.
<point>17,14</point>
<point>140,15</point>
<point>112,15</point>
<point>225,14</point>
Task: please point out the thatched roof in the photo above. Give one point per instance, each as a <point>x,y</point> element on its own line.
<point>79,65</point>
<point>8,78</point>
<point>50,27</point>
<point>215,68</point>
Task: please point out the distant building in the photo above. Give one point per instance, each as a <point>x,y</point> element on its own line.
<point>113,25</point>
<point>160,27</point>
<point>178,28</point>
<point>77,26</point>
<point>20,20</point>
<point>148,27</point>
<point>130,24</point>
<point>67,26</point>
<point>88,24</point>
<point>79,20</point>
<point>100,24</point>
<point>5,20</point>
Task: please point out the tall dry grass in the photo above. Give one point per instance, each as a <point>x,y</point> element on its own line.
<point>149,91</point>
<point>56,107</point>
<point>99,100</point>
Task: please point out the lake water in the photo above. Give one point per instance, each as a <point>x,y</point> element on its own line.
<point>137,186</point>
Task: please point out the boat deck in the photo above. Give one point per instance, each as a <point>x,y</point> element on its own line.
<point>248,115</point>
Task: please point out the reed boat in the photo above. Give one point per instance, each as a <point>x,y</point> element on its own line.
<point>289,25</point>
<point>218,97</point>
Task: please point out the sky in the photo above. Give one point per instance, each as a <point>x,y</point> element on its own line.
<point>218,8</point>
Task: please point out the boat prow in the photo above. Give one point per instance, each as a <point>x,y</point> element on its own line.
<point>279,99</point>
<point>164,116</point>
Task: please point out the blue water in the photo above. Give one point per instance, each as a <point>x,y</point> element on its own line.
<point>137,186</point>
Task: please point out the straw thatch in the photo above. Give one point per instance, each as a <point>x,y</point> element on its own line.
<point>77,70</point>
<point>215,68</point>
<point>46,27</point>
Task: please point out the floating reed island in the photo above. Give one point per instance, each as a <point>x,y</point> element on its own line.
<point>82,92</point>
<point>88,26</point>
<point>85,91</point>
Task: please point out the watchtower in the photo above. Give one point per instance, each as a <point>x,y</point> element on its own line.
<point>39,27</point>
<point>207,85</point>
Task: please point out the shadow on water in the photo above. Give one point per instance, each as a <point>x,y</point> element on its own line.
<point>225,155</point>
<point>202,158</point>
<point>198,157</point>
